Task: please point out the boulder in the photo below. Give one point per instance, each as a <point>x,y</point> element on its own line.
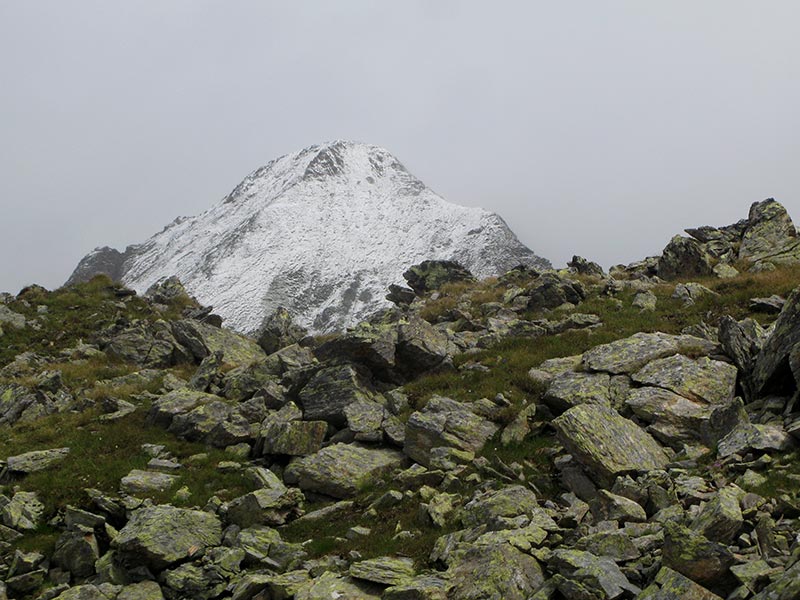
<point>12,319</point>
<point>684,257</point>
<point>581,266</point>
<point>421,587</point>
<point>279,330</point>
<point>445,422</point>
<point>689,293</point>
<point>597,575</point>
<point>772,305</point>
<point>368,343</point>
<point>628,355</point>
<point>341,470</point>
<point>431,275</point>
<point>158,537</point>
<point>720,519</point>
<point>421,347</point>
<point>498,571</point>
<point>645,300</point>
<point>693,555</point>
<point>38,460</point>
<point>144,483</point>
<point>215,422</point>
<point>330,585</point>
<point>144,590</point>
<point>148,345</point>
<point>776,367</point>
<point>330,390</point>
<point>263,546</point>
<point>571,388</point>
<point>670,584</point>
<point>502,509</point>
<point>77,551</point>
<point>23,512</point>
<point>770,235</point>
<point>785,586</point>
<point>385,570</point>
<point>293,438</point>
<point>550,291</point>
<point>177,402</point>
<point>202,339</point>
<point>701,380</point>
<point>742,342</point>
<point>266,506</point>
<point>747,436</point>
<point>607,444</point>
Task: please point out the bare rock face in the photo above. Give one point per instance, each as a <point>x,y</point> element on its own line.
<point>322,232</point>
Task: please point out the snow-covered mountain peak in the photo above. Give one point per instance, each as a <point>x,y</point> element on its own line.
<point>323,232</point>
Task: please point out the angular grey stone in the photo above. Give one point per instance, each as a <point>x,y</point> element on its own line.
<point>385,570</point>
<point>142,483</point>
<point>606,443</point>
<point>684,257</point>
<point>330,390</point>
<point>499,571</point>
<point>628,355</point>
<point>770,235</point>
<point>693,555</point>
<point>571,389</point>
<point>721,518</point>
<point>38,460</point>
<point>600,574</point>
<point>341,470</point>
<point>267,506</point>
<point>700,380</point>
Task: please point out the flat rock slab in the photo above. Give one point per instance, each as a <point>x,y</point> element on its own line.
<point>139,482</point>
<point>385,570</point>
<point>294,438</point>
<point>631,354</point>
<point>329,586</point>
<point>571,389</point>
<point>701,380</point>
<point>160,536</point>
<point>38,460</point>
<point>607,444</point>
<point>342,469</point>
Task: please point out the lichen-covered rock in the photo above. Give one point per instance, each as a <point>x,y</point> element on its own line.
<point>38,460</point>
<point>742,341</point>
<point>341,470</point>
<point>202,339</point>
<point>689,293</point>
<point>501,509</point>
<point>493,572</point>
<point>143,483</point>
<point>385,570</point>
<point>147,344</point>
<point>177,402</point>
<point>747,436</point>
<point>550,290</point>
<point>785,586</point>
<point>607,444</point>
<point>421,347</point>
<point>701,380</point>
<point>12,319</point>
<point>770,235</point>
<point>582,266</point>
<point>598,575</point>
<point>330,585</point>
<point>368,343</point>
<point>23,512</point>
<point>645,301</point>
<point>263,546</point>
<point>267,506</point>
<point>144,590</point>
<point>630,354</point>
<point>421,587</point>
<point>684,257</point>
<point>611,507</point>
<point>571,389</point>
<point>215,422</point>
<point>721,518</point>
<point>671,584</point>
<point>616,545</point>
<point>77,551</point>
<point>293,438</point>
<point>445,422</point>
<point>775,370</point>
<point>694,556</point>
<point>330,390</point>
<point>431,275</point>
<point>159,536</point>
<point>279,330</point>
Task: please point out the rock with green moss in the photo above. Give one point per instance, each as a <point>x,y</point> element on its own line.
<point>421,347</point>
<point>330,585</point>
<point>746,437</point>
<point>331,389</point>
<point>243,382</point>
<point>701,380</point>
<point>384,570</point>
<point>341,470</point>
<point>264,547</point>
<point>146,483</point>
<point>599,575</point>
<point>76,551</point>
<point>695,556</point>
<point>12,319</point>
<point>145,590</point>
<point>770,235</point>
<point>431,275</point>
<point>269,506</point>
<point>607,444</point>
<point>445,422</point>
<point>777,368</point>
<point>506,508</point>
<point>670,584</point>
<point>368,343</point>
<point>160,536</point>
<point>571,389</point>
<point>499,571</point>
<point>292,438</point>
<point>202,339</point>
<point>38,460</point>
<point>148,345</point>
<point>177,402</point>
<point>630,354</point>
<point>270,585</point>
<point>421,587</point>
<point>23,512</point>
<point>279,330</point>
<point>612,507</point>
<point>684,257</point>
<point>617,545</point>
<point>215,422</point>
<point>721,519</point>
<point>89,592</point>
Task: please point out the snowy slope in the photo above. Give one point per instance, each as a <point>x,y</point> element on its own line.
<point>323,232</point>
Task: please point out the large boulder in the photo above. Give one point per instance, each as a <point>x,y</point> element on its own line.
<point>584,573</point>
<point>777,366</point>
<point>742,341</point>
<point>148,345</point>
<point>202,339</point>
<point>445,423</point>
<point>160,536</point>
<point>331,389</point>
<point>431,275</point>
<point>341,470</point>
<point>701,380</point>
<point>693,555</point>
<point>421,347</point>
<point>368,343</point>
<point>571,388</point>
<point>770,235</point>
<point>496,571</point>
<point>279,330</point>
<point>551,291</point>
<point>607,444</point>
<point>630,354</point>
<point>267,506</point>
<point>684,257</point>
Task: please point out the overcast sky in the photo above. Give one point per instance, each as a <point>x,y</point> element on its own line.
<point>596,128</point>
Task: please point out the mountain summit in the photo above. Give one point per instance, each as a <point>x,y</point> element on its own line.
<point>323,232</point>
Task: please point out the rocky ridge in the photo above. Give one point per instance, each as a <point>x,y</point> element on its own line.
<point>556,434</point>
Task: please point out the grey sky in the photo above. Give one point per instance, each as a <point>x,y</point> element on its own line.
<point>597,128</point>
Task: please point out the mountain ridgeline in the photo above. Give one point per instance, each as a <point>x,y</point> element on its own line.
<point>321,232</point>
